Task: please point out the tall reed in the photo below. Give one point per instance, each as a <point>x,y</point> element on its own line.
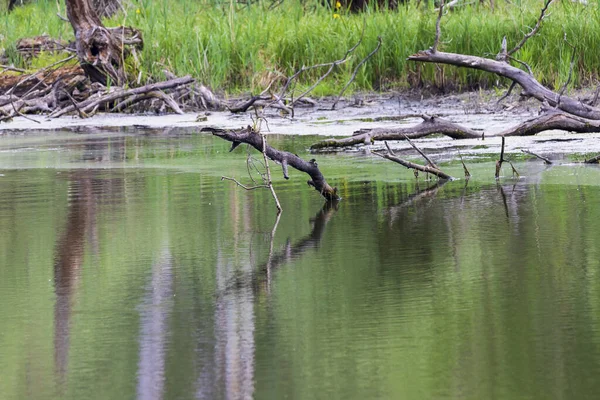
<point>234,47</point>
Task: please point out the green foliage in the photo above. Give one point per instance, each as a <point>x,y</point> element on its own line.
<point>237,48</point>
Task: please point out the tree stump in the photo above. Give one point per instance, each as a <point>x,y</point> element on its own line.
<point>99,49</point>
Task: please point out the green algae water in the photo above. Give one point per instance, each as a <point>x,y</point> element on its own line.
<point>128,270</point>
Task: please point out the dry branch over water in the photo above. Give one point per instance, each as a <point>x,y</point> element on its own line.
<point>251,137</point>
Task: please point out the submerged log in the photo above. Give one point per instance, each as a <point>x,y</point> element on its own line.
<point>285,158</point>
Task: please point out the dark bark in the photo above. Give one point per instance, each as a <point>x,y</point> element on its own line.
<point>429,126</point>
<point>249,136</point>
<point>550,120</point>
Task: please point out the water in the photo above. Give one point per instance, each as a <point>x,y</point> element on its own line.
<point>129,270</point>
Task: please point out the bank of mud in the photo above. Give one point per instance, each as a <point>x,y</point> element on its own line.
<point>479,111</point>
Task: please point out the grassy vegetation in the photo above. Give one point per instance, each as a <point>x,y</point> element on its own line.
<point>235,48</point>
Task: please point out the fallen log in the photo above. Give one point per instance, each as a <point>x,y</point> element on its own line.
<point>430,125</point>
<point>254,139</point>
<point>529,84</point>
<point>550,119</point>
<point>106,98</point>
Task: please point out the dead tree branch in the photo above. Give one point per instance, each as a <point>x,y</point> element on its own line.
<point>417,167</point>
<point>249,136</point>
<point>500,161</point>
<point>438,30</point>
<point>529,84</point>
<point>364,60</point>
<point>110,97</point>
<point>533,31</point>
<point>593,160</point>
<point>430,125</point>
<point>544,159</point>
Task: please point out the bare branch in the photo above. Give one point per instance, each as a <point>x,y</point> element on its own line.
<point>437,28</point>
<point>544,159</point>
<point>226,178</point>
<point>593,160</point>
<point>379,41</point>
<point>269,183</point>
<point>500,161</point>
<point>427,168</point>
<point>535,29</point>
<point>249,136</point>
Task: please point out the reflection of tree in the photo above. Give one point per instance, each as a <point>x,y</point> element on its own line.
<point>294,251</point>
<point>69,258</point>
<point>231,368</point>
<point>155,310</point>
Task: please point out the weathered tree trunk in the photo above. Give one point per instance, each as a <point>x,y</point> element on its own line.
<point>99,50</point>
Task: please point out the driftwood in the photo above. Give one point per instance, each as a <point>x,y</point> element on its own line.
<point>254,139</point>
<point>107,98</point>
<point>544,159</point>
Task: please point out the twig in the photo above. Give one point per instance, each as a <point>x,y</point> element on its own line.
<point>429,162</point>
<point>11,68</point>
<point>593,160</point>
<point>269,183</point>
<point>564,87</point>
<point>535,29</point>
<point>438,30</point>
<point>544,159</point>
<point>379,41</point>
<point>331,66</point>
<point>500,161</point>
<point>226,178</point>
<point>11,90</point>
<point>523,63</point>
<point>467,173</point>
<point>510,89</point>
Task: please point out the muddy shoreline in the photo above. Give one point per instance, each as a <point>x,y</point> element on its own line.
<point>476,110</point>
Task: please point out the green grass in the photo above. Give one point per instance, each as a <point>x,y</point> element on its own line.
<point>235,48</point>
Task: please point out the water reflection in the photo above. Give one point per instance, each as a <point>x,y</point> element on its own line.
<point>69,256</point>
<point>232,371</point>
<point>154,315</point>
<point>161,290</point>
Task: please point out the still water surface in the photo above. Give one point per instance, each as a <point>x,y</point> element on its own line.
<point>129,270</point>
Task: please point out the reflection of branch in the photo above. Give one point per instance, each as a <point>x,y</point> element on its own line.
<point>416,198</point>
<point>292,252</point>
<point>263,274</point>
